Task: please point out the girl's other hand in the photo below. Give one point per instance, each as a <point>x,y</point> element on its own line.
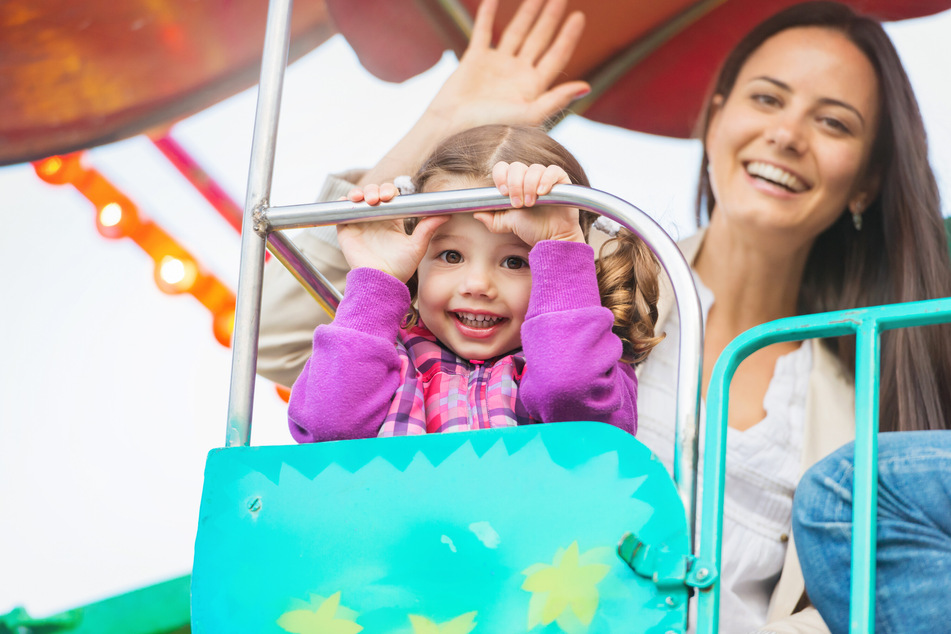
<point>383,244</point>
<point>524,184</point>
<point>373,194</point>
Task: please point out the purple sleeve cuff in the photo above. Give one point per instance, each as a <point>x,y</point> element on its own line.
<point>563,277</point>
<point>374,303</point>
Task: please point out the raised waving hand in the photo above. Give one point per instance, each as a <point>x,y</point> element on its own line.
<point>510,83</point>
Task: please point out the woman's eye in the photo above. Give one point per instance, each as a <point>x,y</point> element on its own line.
<point>514,262</point>
<point>835,124</point>
<point>766,99</point>
<point>451,257</point>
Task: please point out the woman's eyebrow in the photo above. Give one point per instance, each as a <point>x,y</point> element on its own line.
<point>776,82</point>
<point>825,100</point>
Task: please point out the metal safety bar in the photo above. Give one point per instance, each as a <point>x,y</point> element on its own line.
<point>867,325</point>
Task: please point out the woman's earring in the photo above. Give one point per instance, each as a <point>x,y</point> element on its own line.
<point>857,208</point>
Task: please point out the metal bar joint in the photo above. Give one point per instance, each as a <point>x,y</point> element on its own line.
<point>261,224</point>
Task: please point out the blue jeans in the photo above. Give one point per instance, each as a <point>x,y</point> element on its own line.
<point>913,575</point>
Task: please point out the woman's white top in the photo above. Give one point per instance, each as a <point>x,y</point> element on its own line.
<point>762,470</point>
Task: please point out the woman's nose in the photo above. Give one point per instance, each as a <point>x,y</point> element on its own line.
<point>786,135</point>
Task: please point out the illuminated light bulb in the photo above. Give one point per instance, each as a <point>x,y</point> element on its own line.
<point>110,215</point>
<point>175,275</point>
<point>59,170</point>
<point>172,270</point>
<point>49,167</point>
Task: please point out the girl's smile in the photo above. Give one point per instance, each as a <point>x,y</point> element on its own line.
<point>474,287</point>
<point>478,325</point>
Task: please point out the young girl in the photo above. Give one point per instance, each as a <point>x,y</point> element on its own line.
<point>513,322</point>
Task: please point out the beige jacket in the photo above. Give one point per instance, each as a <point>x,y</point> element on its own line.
<point>829,423</point>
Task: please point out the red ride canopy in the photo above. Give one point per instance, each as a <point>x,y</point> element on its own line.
<point>78,74</point>
<point>665,51</point>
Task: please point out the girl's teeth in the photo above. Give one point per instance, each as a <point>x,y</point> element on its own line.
<point>477,321</point>
<point>776,175</point>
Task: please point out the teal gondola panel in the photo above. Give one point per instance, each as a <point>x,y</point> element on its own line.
<point>495,531</point>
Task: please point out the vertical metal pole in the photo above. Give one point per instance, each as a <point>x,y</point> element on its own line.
<point>687,425</point>
<point>865,480</point>
<point>244,344</point>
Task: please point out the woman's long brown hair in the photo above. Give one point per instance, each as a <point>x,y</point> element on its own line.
<point>901,254</point>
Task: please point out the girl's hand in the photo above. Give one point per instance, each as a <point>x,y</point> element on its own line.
<point>383,244</point>
<point>373,194</point>
<point>524,184</point>
<point>509,84</point>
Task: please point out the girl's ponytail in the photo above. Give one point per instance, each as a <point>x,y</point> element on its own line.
<point>629,286</point>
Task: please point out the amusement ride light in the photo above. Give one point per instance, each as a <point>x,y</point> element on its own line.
<point>110,215</point>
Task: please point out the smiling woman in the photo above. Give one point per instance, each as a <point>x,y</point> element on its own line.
<point>788,148</point>
<point>820,197</point>
<point>826,160</point>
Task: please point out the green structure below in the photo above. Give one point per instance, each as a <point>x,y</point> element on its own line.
<point>159,609</point>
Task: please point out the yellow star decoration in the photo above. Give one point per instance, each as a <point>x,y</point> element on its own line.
<point>462,624</point>
<point>568,582</point>
<point>320,621</point>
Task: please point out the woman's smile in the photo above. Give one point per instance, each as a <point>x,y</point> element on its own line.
<point>776,176</point>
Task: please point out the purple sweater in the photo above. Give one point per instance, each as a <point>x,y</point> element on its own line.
<point>572,368</point>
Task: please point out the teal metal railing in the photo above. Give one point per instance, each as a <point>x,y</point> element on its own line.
<point>866,325</point>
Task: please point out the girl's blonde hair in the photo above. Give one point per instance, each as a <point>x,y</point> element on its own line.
<point>626,268</point>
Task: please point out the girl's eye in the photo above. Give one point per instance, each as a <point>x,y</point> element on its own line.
<point>450,257</point>
<point>514,262</point>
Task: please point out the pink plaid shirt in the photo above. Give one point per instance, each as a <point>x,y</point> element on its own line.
<point>440,392</point>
